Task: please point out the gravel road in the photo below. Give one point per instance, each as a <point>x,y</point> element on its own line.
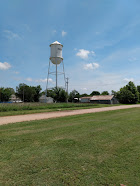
<point>47,115</point>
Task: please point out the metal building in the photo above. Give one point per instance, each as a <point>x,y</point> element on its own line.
<point>104,99</point>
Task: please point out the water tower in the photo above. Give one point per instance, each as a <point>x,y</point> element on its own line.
<point>56,59</point>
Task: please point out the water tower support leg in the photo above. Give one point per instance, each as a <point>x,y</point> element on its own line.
<point>56,75</point>
<point>47,79</point>
<point>64,74</point>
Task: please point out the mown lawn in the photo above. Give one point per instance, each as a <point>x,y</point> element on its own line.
<point>9,109</point>
<point>91,149</point>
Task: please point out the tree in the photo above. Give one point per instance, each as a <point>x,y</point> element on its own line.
<point>125,96</point>
<point>28,93</point>
<point>105,93</point>
<point>50,93</point>
<point>37,93</point>
<point>131,87</point>
<point>59,94</point>
<point>73,94</point>
<point>114,93</point>
<point>5,94</point>
<point>84,95</point>
<point>128,94</point>
<point>95,93</point>
<point>138,89</point>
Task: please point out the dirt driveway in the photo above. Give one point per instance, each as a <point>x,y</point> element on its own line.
<point>39,116</point>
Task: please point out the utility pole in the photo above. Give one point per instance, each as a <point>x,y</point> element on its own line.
<point>23,92</point>
<point>67,82</point>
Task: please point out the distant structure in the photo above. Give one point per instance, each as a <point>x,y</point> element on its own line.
<point>100,99</point>
<point>56,59</point>
<point>104,99</point>
<point>85,99</point>
<point>44,99</point>
<point>15,99</point>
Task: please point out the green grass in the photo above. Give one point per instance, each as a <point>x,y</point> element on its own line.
<point>31,108</point>
<point>90,149</point>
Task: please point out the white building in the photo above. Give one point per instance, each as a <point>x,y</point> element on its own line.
<point>15,99</point>
<point>44,99</point>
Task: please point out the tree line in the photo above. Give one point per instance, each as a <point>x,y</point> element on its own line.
<point>128,94</point>
<point>24,92</point>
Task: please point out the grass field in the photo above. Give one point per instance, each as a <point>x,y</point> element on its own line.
<point>31,108</point>
<point>91,149</point>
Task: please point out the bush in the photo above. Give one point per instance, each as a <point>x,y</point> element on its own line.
<point>128,94</point>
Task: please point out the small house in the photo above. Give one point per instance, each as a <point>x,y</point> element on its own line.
<point>15,99</point>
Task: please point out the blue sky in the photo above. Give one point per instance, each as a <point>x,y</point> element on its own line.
<point>101,40</point>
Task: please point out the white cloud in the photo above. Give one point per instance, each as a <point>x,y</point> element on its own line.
<point>39,80</point>
<point>29,79</point>
<point>84,54</point>
<point>128,79</point>
<point>91,66</point>
<point>43,80</point>
<point>4,66</point>
<point>95,65</point>
<point>88,66</point>
<point>11,35</point>
<point>64,33</point>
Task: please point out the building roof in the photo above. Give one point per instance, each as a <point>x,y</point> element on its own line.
<point>86,97</point>
<point>56,43</point>
<point>102,97</point>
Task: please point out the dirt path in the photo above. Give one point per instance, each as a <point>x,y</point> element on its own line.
<point>39,116</point>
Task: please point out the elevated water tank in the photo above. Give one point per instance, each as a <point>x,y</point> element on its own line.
<point>56,53</point>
